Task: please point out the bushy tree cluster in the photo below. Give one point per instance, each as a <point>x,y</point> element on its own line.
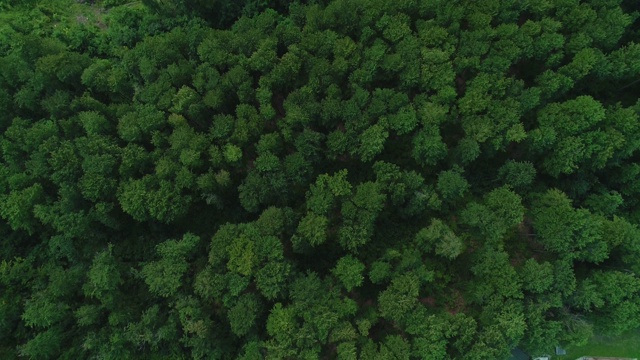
<point>349,179</point>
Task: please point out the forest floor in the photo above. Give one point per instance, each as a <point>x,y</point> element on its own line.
<point>625,345</point>
<point>92,14</point>
<point>95,13</point>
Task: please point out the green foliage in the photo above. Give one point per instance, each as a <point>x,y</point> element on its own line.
<point>140,124</point>
<point>400,298</point>
<point>503,283</point>
<point>322,194</point>
<point>372,142</point>
<point>103,277</point>
<point>439,236</point>
<point>428,148</point>
<point>536,277</point>
<point>243,315</point>
<point>452,185</point>
<point>164,276</point>
<point>378,179</point>
<point>518,175</point>
<point>312,230</point>
<point>563,229</point>
<point>17,207</point>
<point>349,270</point>
<point>44,345</point>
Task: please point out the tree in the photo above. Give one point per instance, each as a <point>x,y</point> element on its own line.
<point>428,147</point>
<point>452,185</point>
<point>312,230</point>
<point>566,231</point>
<point>573,128</point>
<point>372,142</point>
<point>400,299</point>
<point>543,329</point>
<point>439,236</point>
<point>504,282</point>
<point>519,175</point>
<point>147,198</point>
<point>349,271</point>
<point>139,125</point>
<point>359,215</point>
<point>104,278</point>
<point>536,277</point>
<point>164,276</point>
<point>322,194</point>
<point>17,207</point>
<point>242,316</point>
<point>500,211</point>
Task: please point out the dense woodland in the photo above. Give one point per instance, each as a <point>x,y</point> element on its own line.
<point>344,179</point>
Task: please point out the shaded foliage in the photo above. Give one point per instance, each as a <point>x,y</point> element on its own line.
<point>351,179</point>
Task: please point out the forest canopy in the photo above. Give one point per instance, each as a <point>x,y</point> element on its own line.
<point>343,179</point>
